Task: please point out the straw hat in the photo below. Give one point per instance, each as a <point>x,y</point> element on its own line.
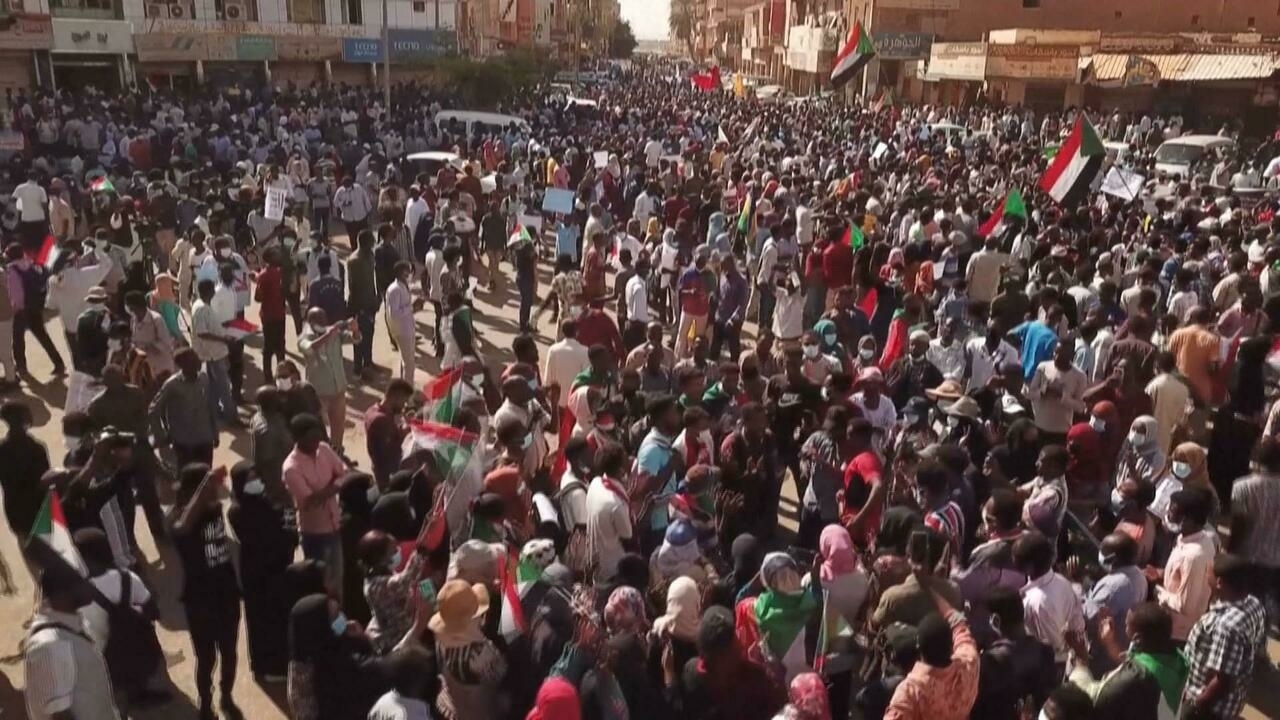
<point>965,407</point>
<point>946,390</point>
<point>457,604</point>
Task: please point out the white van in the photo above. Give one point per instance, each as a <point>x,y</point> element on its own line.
<point>480,123</point>
<point>1179,155</point>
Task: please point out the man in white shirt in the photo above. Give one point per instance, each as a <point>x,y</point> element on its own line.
<point>983,272</point>
<point>434,270</point>
<point>565,360</point>
<point>636,299</point>
<point>67,290</point>
<point>400,306</point>
<point>653,151</point>
<point>414,212</point>
<point>645,205</point>
<point>608,514</point>
<point>33,207</point>
<point>804,222</point>
<point>354,206</point>
<point>1050,604</point>
<point>1056,392</point>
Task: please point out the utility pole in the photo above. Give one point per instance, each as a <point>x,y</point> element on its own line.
<point>386,54</point>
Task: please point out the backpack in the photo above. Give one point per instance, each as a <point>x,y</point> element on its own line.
<point>133,651</point>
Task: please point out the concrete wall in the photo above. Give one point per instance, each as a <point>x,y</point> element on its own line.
<point>976,17</point>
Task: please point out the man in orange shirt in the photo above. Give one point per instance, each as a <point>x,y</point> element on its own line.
<point>1196,349</point>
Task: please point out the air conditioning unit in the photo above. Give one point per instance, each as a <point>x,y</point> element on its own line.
<point>178,11</point>
<point>234,11</point>
<point>156,10</point>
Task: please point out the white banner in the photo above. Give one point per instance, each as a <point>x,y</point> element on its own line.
<point>1123,184</point>
<point>275,204</point>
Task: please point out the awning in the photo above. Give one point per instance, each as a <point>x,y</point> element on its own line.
<point>1187,67</point>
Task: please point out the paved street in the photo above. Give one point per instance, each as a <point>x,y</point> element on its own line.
<point>497,325</point>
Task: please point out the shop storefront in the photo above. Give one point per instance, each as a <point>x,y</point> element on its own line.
<point>900,55</point>
<point>303,60</point>
<point>91,53</point>
<point>359,56</point>
<point>1043,77</point>
<point>955,73</point>
<point>23,48</point>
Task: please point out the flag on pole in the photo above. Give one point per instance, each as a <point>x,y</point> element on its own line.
<point>50,534</point>
<point>1013,206</point>
<point>519,236</point>
<point>513,622</point>
<point>444,395</point>
<point>102,184</point>
<point>49,253</point>
<point>853,237</point>
<point>857,51</point>
<point>452,446</point>
<point>745,216</point>
<point>1077,163</point>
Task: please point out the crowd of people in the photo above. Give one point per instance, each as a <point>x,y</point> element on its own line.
<point>805,436</point>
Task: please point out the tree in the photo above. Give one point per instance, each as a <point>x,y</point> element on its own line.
<point>622,43</point>
<point>681,24</point>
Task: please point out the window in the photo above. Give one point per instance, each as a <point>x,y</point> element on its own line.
<point>307,12</point>
<point>236,10</point>
<point>1119,15</point>
<point>1030,3</point>
<point>351,13</point>
<point>89,9</point>
<point>419,5</point>
<point>1252,22</point>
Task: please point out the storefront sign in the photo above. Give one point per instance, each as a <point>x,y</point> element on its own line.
<point>235,27</point>
<point>255,48</point>
<point>28,32</point>
<point>313,49</point>
<point>362,50</point>
<point>901,45</point>
<point>1142,43</point>
<point>409,46</point>
<point>957,61</point>
<point>164,47</point>
<point>92,36</point>
<point>1033,61</point>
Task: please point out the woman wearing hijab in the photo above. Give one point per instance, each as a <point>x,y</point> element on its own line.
<point>676,631</point>
<point>1238,423</point>
<point>722,682</point>
<point>746,554</point>
<point>1022,441</point>
<point>842,575</point>
<point>1188,466</point>
<point>679,554</point>
<point>717,236</point>
<point>355,498</point>
<point>1105,420</point>
<point>1125,391</point>
<point>389,584</point>
<point>164,300</point>
<point>1085,479</point>
<point>779,616</point>
<point>266,549</point>
<point>471,666</point>
<point>807,700</point>
<point>333,674</point>
<point>829,343</point>
<point>1140,456</point>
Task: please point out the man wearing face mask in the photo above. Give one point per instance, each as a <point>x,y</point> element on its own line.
<point>131,361</point>
<point>912,375</point>
<point>520,403</point>
<point>210,591</point>
<point>1121,588</point>
<point>321,347</point>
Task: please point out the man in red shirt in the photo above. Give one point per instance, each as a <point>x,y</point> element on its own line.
<point>864,488</point>
<point>694,305</point>
<point>673,207</point>
<point>270,294</point>
<point>595,327</point>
